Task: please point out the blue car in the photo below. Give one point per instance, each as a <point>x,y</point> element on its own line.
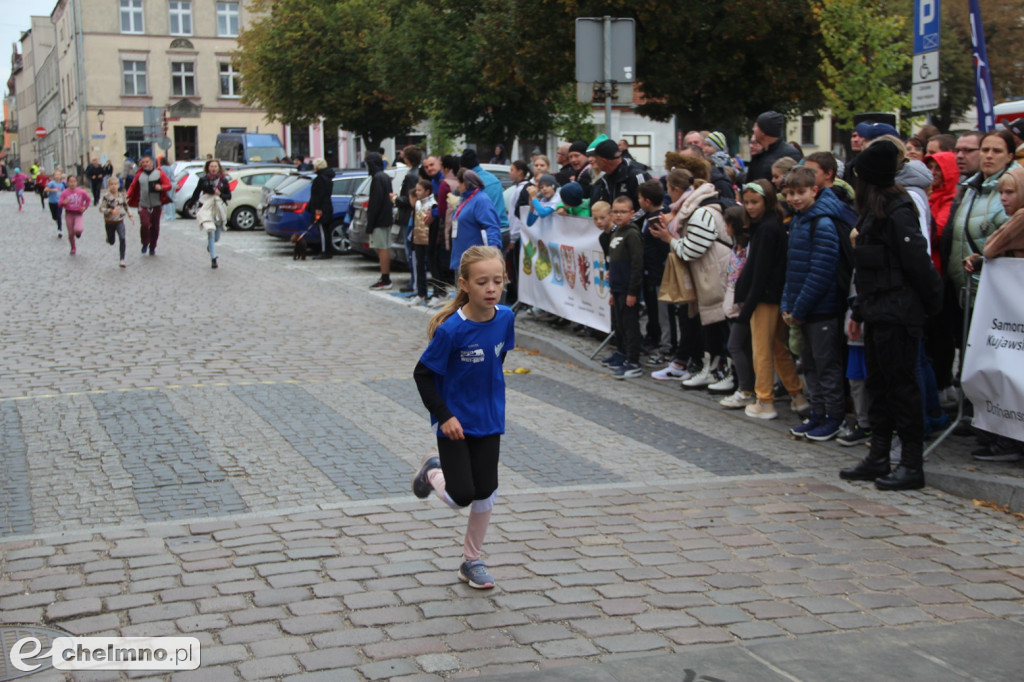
<point>285,214</point>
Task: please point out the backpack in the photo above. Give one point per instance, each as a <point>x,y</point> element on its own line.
<point>844,269</point>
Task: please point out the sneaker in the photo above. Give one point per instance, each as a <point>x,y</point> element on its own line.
<point>213,263</point>
<point>614,360</point>
<point>628,370</point>
<point>122,263</point>
<point>72,251</point>
<point>800,405</point>
<point>416,300</point>
<point>380,285</point>
<point>702,378</point>
<point>475,573</point>
<point>827,430</point>
<point>809,424</point>
<point>724,385</point>
<point>760,410</point>
<point>737,400</point>
<point>854,436</point>
<point>144,250</point>
<point>407,289</point>
<point>673,371</point>
<point>60,234</point>
<point>997,453</point>
<point>420,483</point>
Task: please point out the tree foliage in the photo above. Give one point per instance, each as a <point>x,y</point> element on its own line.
<point>337,59</point>
<point>865,51</point>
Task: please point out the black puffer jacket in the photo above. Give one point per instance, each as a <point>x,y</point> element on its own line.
<point>760,167</point>
<point>896,281</point>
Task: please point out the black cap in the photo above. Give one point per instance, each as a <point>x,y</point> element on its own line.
<point>578,146</point>
<point>607,149</point>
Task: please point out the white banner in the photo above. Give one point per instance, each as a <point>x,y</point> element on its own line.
<point>993,376</point>
<point>562,270</point>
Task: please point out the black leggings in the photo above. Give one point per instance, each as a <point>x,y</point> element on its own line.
<point>470,467</point>
<point>56,210</point>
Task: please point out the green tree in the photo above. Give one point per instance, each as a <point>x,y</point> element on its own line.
<point>865,52</point>
<point>336,59</point>
<point>719,64</point>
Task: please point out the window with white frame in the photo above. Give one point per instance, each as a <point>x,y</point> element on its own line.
<point>183,79</point>
<point>134,73</point>
<point>134,141</point>
<point>639,147</point>
<point>181,17</point>
<point>227,19</point>
<point>230,81</point>
<point>131,16</point>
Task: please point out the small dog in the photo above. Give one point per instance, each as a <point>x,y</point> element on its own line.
<point>299,248</point>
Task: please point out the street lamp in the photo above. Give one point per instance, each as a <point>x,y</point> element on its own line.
<point>101,117</point>
<point>63,134</point>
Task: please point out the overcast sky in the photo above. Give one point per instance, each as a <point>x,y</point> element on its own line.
<point>14,20</point>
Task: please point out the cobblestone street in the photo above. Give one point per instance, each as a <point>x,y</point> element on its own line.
<point>227,454</point>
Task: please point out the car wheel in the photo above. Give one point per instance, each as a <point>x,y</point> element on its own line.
<point>339,242</point>
<point>244,218</point>
<point>190,209</point>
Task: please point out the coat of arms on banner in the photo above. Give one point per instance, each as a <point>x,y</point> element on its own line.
<point>600,272</point>
<point>529,251</point>
<point>569,265</point>
<point>584,264</point>
<point>555,252</point>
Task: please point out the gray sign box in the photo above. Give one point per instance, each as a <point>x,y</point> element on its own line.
<point>590,50</point>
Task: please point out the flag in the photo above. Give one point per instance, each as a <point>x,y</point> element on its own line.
<point>982,78</point>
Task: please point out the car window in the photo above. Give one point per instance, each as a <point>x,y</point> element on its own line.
<point>257,179</point>
<point>297,185</point>
<point>346,186</point>
<point>503,176</point>
<point>364,188</point>
<point>286,185</point>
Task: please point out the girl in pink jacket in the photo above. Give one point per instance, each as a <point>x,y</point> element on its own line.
<point>75,201</point>
<point>18,183</point>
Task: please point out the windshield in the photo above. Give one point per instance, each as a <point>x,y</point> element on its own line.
<point>265,153</point>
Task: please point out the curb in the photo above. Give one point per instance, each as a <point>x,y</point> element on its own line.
<point>1005,491</point>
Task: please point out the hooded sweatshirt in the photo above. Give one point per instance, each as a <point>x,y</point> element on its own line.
<point>811,290</point>
<point>379,210</point>
<point>916,179</point>
<point>941,199</point>
<point>320,195</point>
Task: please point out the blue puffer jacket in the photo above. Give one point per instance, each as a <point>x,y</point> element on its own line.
<point>811,290</point>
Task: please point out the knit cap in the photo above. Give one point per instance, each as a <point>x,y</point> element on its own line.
<point>572,194</point>
<point>717,140</point>
<point>876,165</point>
<point>547,179</point>
<point>771,123</point>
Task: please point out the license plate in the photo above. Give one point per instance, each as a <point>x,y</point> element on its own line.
<point>272,210</point>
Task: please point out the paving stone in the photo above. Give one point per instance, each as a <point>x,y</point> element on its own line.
<point>718,615</point>
<point>72,609</point>
<point>264,668</point>
<point>326,659</point>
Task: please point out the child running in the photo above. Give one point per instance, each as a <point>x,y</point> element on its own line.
<point>114,207</point>
<point>460,380</point>
<point>18,183</point>
<point>54,188</point>
<point>74,200</point>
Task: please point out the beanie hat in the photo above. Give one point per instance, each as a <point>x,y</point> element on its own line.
<point>717,140</point>
<point>607,149</point>
<point>597,140</point>
<point>469,159</point>
<point>874,117</point>
<point>876,165</point>
<point>572,194</point>
<point>771,123</point>
<point>869,130</point>
<point>547,179</point>
<point>578,146</point>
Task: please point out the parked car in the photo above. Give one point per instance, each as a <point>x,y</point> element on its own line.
<point>286,209</point>
<point>357,236</point>
<point>184,184</point>
<point>248,147</point>
<point>246,192</point>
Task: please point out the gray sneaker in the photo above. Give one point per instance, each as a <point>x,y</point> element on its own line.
<point>475,573</point>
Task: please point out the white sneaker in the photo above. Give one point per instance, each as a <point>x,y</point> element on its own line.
<point>737,400</point>
<point>673,371</point>
<point>725,385</point>
<point>705,377</point>
<point>415,300</point>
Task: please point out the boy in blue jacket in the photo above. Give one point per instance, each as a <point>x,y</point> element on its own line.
<point>812,302</point>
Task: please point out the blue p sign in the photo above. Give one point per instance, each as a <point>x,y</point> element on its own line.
<point>926,26</point>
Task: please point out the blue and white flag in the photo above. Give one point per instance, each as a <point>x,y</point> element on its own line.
<point>982,79</point>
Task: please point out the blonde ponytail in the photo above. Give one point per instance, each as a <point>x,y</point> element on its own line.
<point>473,254</point>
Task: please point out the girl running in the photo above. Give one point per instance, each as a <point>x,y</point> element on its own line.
<point>74,200</point>
<point>18,183</point>
<point>213,192</point>
<point>54,188</point>
<point>460,380</point>
<point>114,207</point>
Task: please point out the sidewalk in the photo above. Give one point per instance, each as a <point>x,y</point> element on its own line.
<point>949,467</point>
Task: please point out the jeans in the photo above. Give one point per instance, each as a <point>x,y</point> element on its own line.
<point>212,237</point>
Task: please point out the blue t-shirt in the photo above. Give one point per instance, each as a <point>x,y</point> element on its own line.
<point>54,197</point>
<point>466,357</point>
